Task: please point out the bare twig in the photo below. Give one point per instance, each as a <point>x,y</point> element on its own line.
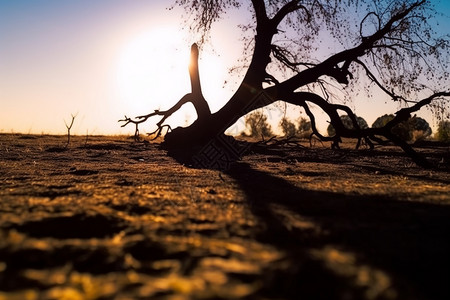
<point>69,127</point>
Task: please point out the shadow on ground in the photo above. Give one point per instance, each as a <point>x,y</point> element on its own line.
<point>110,219</point>
<point>348,246</point>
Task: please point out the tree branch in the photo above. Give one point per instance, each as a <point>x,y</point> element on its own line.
<point>195,97</point>
<point>375,80</point>
<point>286,58</point>
<point>347,56</point>
<point>287,9</point>
<point>362,22</point>
<point>199,102</point>
<point>260,12</point>
<point>301,99</point>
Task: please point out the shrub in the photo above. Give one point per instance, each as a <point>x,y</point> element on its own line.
<point>443,131</point>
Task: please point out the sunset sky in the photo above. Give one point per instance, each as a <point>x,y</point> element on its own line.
<point>101,59</point>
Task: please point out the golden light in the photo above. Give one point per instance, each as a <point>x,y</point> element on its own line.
<point>153,74</point>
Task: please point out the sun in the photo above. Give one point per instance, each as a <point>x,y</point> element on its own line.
<point>153,74</point>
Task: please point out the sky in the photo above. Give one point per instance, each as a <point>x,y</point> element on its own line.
<point>98,60</point>
<point>102,59</point>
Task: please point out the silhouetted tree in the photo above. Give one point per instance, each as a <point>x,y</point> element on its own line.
<point>420,129</point>
<point>288,127</point>
<point>382,121</point>
<point>401,129</point>
<point>257,126</point>
<point>304,128</point>
<point>348,123</point>
<point>443,131</point>
<point>412,129</point>
<point>371,46</point>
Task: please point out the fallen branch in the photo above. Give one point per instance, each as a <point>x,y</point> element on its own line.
<point>369,135</point>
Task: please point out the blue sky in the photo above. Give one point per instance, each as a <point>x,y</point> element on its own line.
<point>59,58</point>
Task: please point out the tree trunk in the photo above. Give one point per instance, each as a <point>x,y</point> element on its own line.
<point>200,104</point>
<point>249,96</point>
<point>209,128</point>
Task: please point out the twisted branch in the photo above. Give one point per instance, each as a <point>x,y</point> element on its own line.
<point>368,134</point>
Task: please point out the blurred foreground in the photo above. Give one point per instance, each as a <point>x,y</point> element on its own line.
<point>107,218</point>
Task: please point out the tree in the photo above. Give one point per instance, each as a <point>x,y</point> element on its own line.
<point>381,47</point>
<point>352,123</point>
<point>420,129</point>
<point>288,127</point>
<point>401,129</point>
<point>382,121</point>
<point>410,130</point>
<point>443,131</point>
<point>256,123</point>
<point>348,124</point>
<point>304,128</point>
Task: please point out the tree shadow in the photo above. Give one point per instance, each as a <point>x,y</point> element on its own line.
<point>357,247</point>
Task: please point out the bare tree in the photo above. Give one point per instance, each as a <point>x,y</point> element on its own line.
<point>382,46</point>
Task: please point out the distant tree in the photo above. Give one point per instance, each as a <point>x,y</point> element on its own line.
<point>411,130</point>
<point>304,129</point>
<point>348,123</point>
<point>257,126</point>
<point>288,127</point>
<point>420,129</point>
<point>443,131</point>
<point>382,121</point>
<point>401,129</point>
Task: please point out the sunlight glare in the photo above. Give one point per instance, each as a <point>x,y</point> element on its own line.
<point>153,74</point>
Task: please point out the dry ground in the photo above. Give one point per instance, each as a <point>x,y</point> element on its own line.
<point>111,219</point>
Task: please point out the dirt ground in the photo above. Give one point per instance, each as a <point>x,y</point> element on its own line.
<point>108,218</point>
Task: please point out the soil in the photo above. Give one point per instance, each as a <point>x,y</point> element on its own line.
<point>108,218</point>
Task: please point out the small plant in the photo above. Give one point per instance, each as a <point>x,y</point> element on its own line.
<point>69,127</point>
